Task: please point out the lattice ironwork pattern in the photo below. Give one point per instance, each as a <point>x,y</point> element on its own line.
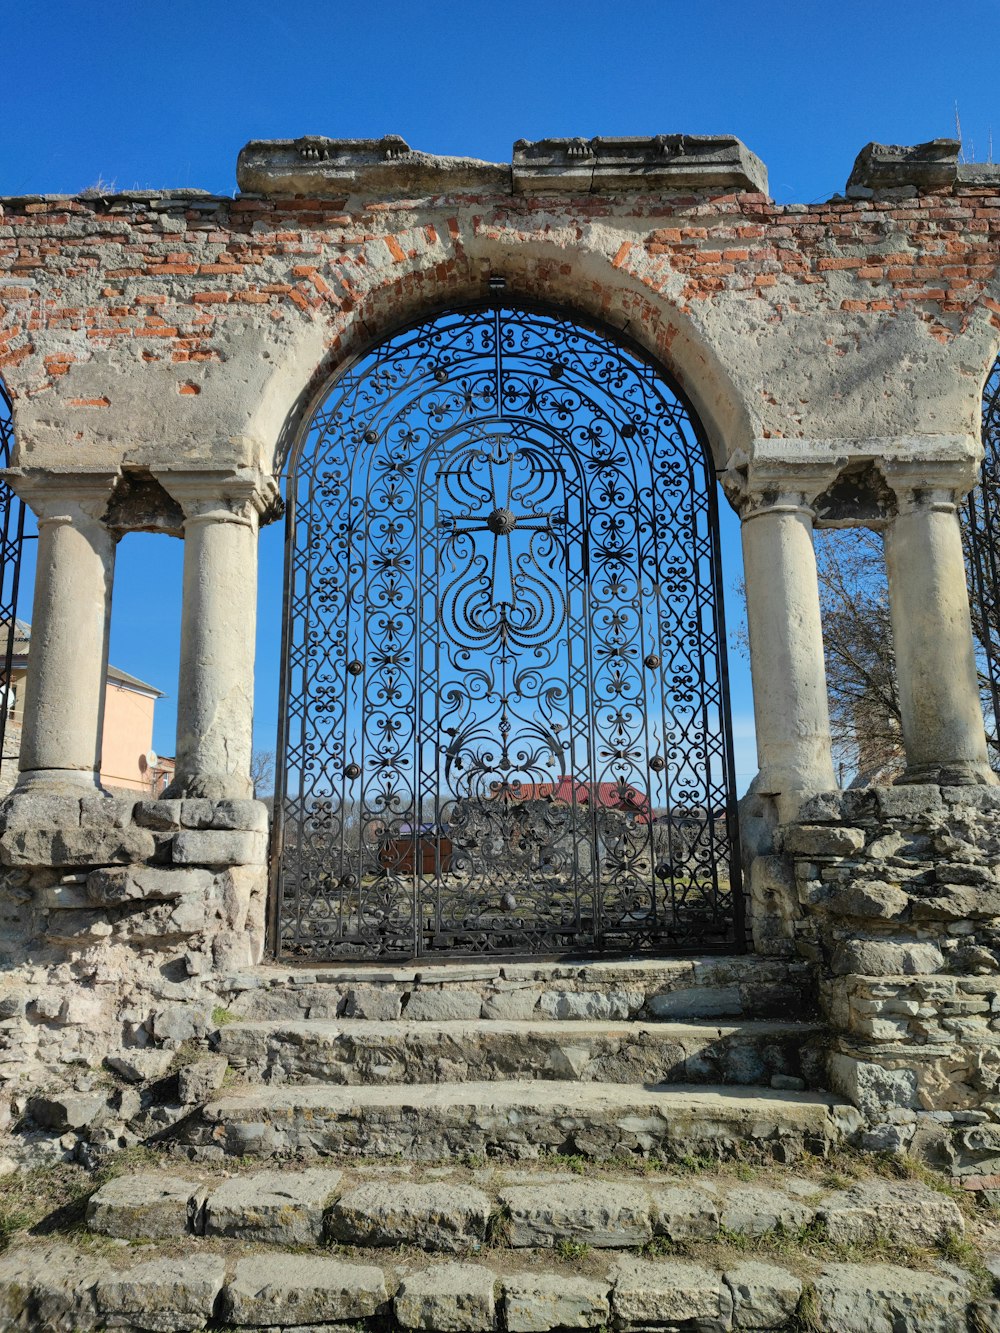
<point>505,707</point>
<point>981,534</point>
<point>12,514</point>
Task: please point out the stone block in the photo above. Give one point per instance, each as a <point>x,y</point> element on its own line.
<point>600,1213</point>
<point>164,816</point>
<point>377,1002</point>
<point>884,1298</point>
<point>211,847</point>
<point>106,812</point>
<point>682,1212</point>
<point>272,1207</point>
<point>648,1293</point>
<point>39,810</point>
<point>68,1110</point>
<point>116,885</point>
<point>752,1211</point>
<point>141,1066</point>
<point>49,1286</point>
<point>296,1289</point>
<point>538,1302</point>
<point>173,1295</point>
<point>826,807</point>
<point>872,1088</point>
<point>246,816</point>
<point>821,840</point>
<point>197,1082</point>
<point>907,1213</point>
<point>76,846</point>
<point>197,813</point>
<point>886,958</point>
<point>697,1002</point>
<point>444,1217</point>
<point>516,1006</point>
<point>907,800</point>
<point>764,1296</point>
<point>145,1206</point>
<point>872,899</point>
<point>449,1298</point>
<point>615,1005</point>
<point>442,1006</point>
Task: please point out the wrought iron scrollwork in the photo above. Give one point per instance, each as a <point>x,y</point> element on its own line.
<point>981,535</point>
<point>505,713</point>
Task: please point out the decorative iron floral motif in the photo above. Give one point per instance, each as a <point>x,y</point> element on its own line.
<point>505,714</point>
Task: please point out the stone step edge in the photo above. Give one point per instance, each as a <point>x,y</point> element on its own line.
<point>527,1211</point>
<point>659,1029</point>
<point>277,1288</point>
<point>520,1118</point>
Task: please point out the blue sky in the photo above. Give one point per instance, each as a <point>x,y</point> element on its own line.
<point>145,94</point>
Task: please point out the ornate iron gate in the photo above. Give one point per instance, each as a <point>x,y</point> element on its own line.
<point>505,722</point>
<point>12,515</point>
<point>981,532</point>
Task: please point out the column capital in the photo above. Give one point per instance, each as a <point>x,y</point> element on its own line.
<point>784,480</point>
<point>63,493</point>
<point>936,483</point>
<point>240,495</point>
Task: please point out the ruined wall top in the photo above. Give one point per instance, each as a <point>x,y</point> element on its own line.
<point>177,329</point>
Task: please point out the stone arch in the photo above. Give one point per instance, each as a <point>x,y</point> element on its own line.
<point>589,289</point>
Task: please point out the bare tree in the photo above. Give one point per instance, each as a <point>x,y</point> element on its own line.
<point>860,666</point>
<point>262,772</point>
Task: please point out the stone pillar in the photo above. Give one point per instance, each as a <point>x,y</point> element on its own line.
<point>773,494</point>
<point>215,690</point>
<point>791,709</point>
<point>63,715</point>
<point>936,673</point>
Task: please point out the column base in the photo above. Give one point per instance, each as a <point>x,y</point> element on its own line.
<point>789,791</point>
<point>59,781</point>
<point>956,773</point>
<point>209,787</point>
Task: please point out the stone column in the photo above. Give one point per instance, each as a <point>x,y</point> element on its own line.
<point>936,673</point>
<point>773,495</point>
<point>215,690</point>
<point>791,709</point>
<point>63,715</point>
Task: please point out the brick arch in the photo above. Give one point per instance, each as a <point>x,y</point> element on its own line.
<point>581,284</point>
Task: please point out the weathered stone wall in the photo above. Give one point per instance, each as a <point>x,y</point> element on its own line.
<point>895,894</point>
<point>157,330</point>
<point>119,919</point>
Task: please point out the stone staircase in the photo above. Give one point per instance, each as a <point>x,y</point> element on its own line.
<point>716,1057</point>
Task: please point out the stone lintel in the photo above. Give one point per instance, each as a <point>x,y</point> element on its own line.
<point>881,166</point>
<point>637,164</point>
<point>320,168</point>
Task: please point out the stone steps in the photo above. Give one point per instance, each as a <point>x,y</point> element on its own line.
<point>519,1118</point>
<point>509,1250</point>
<point>373,1051</point>
<point>614,990</point>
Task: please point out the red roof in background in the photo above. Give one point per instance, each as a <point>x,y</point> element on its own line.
<point>607,794</point>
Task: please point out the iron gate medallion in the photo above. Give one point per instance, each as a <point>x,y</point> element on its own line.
<point>505,724</point>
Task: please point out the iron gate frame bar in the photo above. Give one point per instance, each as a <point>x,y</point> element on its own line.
<point>980,515</point>
<point>10,503</point>
<point>619,337</point>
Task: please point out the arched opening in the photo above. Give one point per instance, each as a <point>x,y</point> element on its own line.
<point>504,725</point>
